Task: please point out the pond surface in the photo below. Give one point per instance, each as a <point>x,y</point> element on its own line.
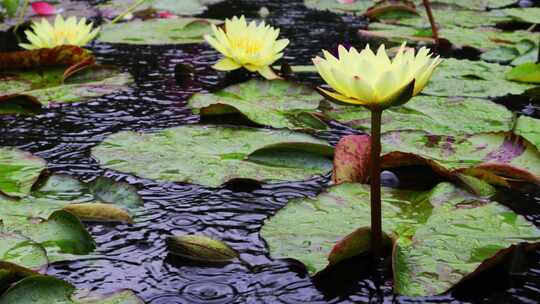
<point>135,256</point>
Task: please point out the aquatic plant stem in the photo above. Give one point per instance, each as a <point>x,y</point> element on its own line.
<point>20,18</point>
<point>538,56</point>
<point>128,10</point>
<point>375,184</point>
<point>434,31</point>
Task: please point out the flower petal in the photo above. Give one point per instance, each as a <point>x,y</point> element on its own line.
<point>226,64</point>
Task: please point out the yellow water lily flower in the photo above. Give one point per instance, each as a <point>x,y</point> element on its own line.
<point>373,80</point>
<point>62,32</point>
<point>254,47</point>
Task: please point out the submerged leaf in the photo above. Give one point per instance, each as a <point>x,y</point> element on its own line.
<point>200,248</point>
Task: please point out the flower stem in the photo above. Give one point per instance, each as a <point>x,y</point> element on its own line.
<point>434,30</point>
<point>538,56</point>
<point>22,13</point>
<point>128,10</point>
<point>375,183</point>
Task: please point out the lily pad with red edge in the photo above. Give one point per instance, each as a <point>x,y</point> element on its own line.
<point>47,290</point>
<point>276,103</point>
<point>441,236</point>
<point>64,55</point>
<point>50,85</point>
<point>496,157</point>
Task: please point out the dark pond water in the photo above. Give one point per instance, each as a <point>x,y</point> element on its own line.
<point>135,257</point>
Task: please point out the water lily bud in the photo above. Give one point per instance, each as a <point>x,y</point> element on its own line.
<point>252,46</point>
<point>373,80</point>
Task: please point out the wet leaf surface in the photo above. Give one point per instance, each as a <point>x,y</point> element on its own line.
<point>278,103</point>
<point>114,8</point>
<point>50,290</point>
<point>442,235</point>
<point>356,7</point>
<point>212,155</point>
<point>157,31</point>
<point>19,170</point>
<point>49,85</point>
<point>200,248</point>
<point>527,73</point>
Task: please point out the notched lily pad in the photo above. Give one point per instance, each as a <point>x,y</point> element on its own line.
<point>157,31</point>
<point>212,155</point>
<point>441,236</point>
<point>200,248</point>
<point>48,290</point>
<point>277,103</point>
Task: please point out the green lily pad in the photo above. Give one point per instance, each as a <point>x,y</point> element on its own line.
<point>18,249</point>
<point>528,72</point>
<point>19,170</point>
<point>529,128</point>
<point>433,115</point>
<point>467,78</point>
<point>529,14</point>
<point>114,8</point>
<point>61,232</point>
<point>455,17</point>
<point>277,103</point>
<point>441,235</point>
<point>358,7</point>
<point>475,4</point>
<point>515,54</point>
<point>212,155</point>
<point>50,290</point>
<point>157,31</point>
<point>49,86</point>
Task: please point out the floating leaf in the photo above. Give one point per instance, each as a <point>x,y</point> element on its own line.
<point>351,159</point>
<point>20,250</point>
<point>49,85</point>
<point>48,290</point>
<point>276,103</point>
<point>500,155</point>
<point>200,248</point>
<point>98,212</point>
<point>529,14</point>
<point>211,155</point>
<point>62,231</point>
<point>467,78</point>
<point>480,5</point>
<point>434,115</point>
<point>527,72</point>
<point>441,236</point>
<point>354,244</point>
<point>19,170</point>
<point>114,8</point>
<point>157,31</point>
<point>119,193</point>
<point>528,128</point>
<point>354,7</point>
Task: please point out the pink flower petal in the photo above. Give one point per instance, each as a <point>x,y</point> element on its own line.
<point>165,14</point>
<point>43,8</point>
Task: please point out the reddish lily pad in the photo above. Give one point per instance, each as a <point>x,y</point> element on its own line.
<point>352,159</point>
<point>441,236</point>
<point>64,55</point>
